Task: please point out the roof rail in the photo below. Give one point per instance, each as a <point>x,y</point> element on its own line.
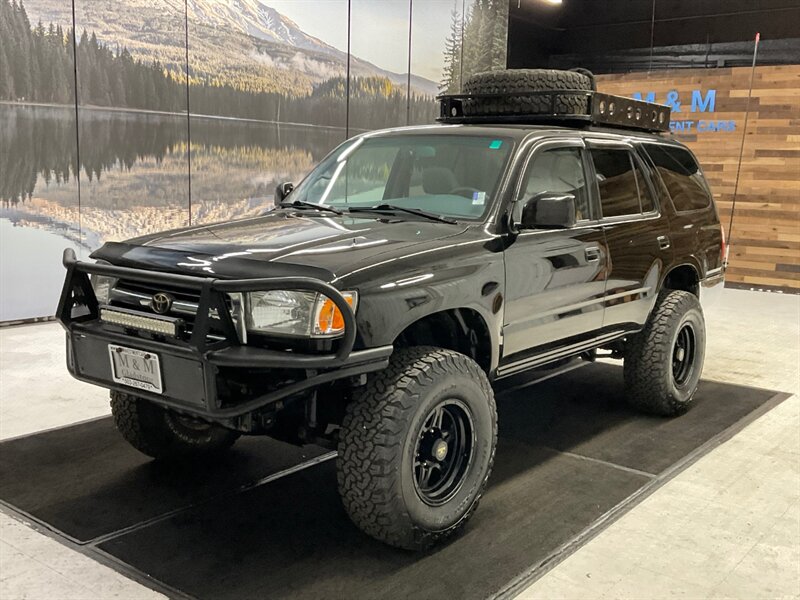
<point>600,109</point>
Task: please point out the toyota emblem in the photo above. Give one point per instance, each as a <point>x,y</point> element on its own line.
<point>161,303</point>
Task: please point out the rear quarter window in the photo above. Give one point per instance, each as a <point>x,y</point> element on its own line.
<point>681,176</point>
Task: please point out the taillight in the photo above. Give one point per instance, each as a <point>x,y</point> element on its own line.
<point>723,249</point>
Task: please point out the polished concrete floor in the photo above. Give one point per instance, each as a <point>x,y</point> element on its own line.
<point>729,526</point>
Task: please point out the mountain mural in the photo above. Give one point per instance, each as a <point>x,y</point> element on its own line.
<point>266,101</point>
<point>243,43</point>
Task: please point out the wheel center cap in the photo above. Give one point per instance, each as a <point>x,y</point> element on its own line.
<point>679,354</point>
<point>440,450</point>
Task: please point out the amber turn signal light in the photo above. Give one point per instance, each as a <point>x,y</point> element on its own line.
<point>330,320</point>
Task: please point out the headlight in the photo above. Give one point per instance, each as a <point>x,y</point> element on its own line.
<point>296,313</point>
<point>102,286</point>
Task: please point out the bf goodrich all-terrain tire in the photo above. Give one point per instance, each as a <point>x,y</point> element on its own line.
<point>664,361</point>
<point>164,434</point>
<point>513,81</point>
<point>417,446</point>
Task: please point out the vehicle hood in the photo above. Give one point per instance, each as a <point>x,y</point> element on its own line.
<point>280,243</point>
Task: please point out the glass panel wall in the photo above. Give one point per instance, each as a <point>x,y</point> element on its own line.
<point>485,36</point>
<point>39,214</point>
<point>267,98</point>
<point>435,54</point>
<point>379,34</point>
<point>131,119</point>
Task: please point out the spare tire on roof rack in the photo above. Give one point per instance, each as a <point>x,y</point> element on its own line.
<point>504,87</point>
<point>547,96</point>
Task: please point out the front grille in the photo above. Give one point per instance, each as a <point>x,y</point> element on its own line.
<point>138,296</point>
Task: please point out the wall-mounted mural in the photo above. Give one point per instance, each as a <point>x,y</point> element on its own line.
<point>191,111</point>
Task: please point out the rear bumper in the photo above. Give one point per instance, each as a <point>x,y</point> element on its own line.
<point>206,376</point>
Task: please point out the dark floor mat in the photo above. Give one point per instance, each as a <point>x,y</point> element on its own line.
<point>584,412</point>
<point>294,539</point>
<point>85,481</point>
<point>569,451</point>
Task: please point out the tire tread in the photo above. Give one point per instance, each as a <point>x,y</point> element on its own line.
<point>372,443</point>
<point>649,353</point>
<point>511,81</point>
<point>143,425</point>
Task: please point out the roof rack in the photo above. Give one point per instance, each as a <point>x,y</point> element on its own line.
<point>600,109</point>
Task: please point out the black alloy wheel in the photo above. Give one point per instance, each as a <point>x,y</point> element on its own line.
<point>683,354</point>
<point>444,452</point>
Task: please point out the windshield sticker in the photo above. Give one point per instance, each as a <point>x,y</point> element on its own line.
<point>495,144</point>
<point>478,198</point>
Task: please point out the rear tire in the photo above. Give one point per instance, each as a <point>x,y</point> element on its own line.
<point>664,361</point>
<point>164,434</point>
<point>417,446</point>
<point>511,81</point>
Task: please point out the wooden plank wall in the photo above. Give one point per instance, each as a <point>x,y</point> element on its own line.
<point>765,244</point>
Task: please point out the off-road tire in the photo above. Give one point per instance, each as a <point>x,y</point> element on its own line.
<point>161,434</point>
<point>512,81</point>
<point>649,375</point>
<point>378,444</point>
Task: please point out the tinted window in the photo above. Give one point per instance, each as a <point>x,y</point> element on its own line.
<point>645,195</point>
<point>558,170</point>
<point>681,176</point>
<point>616,182</point>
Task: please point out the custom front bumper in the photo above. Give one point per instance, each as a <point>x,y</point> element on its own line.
<point>206,371</point>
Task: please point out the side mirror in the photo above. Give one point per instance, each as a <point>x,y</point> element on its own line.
<point>546,210</point>
<point>283,190</point>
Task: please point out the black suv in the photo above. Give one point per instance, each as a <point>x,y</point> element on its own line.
<point>374,308</point>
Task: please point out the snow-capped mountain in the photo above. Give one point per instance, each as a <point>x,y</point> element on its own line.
<point>258,20</point>
<point>243,42</point>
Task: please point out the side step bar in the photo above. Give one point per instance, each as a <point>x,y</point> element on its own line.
<point>512,384</point>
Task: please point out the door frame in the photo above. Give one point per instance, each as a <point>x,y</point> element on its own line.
<point>575,140</point>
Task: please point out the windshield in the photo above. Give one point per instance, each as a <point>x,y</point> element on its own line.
<point>449,175</point>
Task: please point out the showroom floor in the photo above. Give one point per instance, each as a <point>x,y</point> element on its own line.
<point>728,526</point>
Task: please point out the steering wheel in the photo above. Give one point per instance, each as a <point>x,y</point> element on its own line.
<point>465,191</point>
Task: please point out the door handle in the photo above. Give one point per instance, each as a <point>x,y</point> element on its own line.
<point>592,253</point>
<point>663,242</point>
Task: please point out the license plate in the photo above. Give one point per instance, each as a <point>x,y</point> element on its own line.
<point>135,368</point>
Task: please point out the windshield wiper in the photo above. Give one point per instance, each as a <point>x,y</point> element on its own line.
<point>411,211</point>
<point>309,205</point>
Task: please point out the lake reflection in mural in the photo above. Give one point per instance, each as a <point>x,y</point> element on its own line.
<point>134,176</point>
<point>266,85</point>
<point>133,167</point>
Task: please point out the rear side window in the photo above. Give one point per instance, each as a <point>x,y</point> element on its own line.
<point>645,194</point>
<point>681,176</point>
<point>621,183</point>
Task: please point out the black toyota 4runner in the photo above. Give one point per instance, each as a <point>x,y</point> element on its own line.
<point>374,308</point>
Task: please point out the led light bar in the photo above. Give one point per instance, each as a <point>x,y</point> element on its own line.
<point>134,321</point>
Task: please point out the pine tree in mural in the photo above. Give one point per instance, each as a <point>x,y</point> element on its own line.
<point>499,52</point>
<point>34,63</point>
<point>451,77</point>
<point>482,47</point>
<point>36,66</point>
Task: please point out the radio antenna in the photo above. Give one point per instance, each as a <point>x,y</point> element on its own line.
<point>741,150</point>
